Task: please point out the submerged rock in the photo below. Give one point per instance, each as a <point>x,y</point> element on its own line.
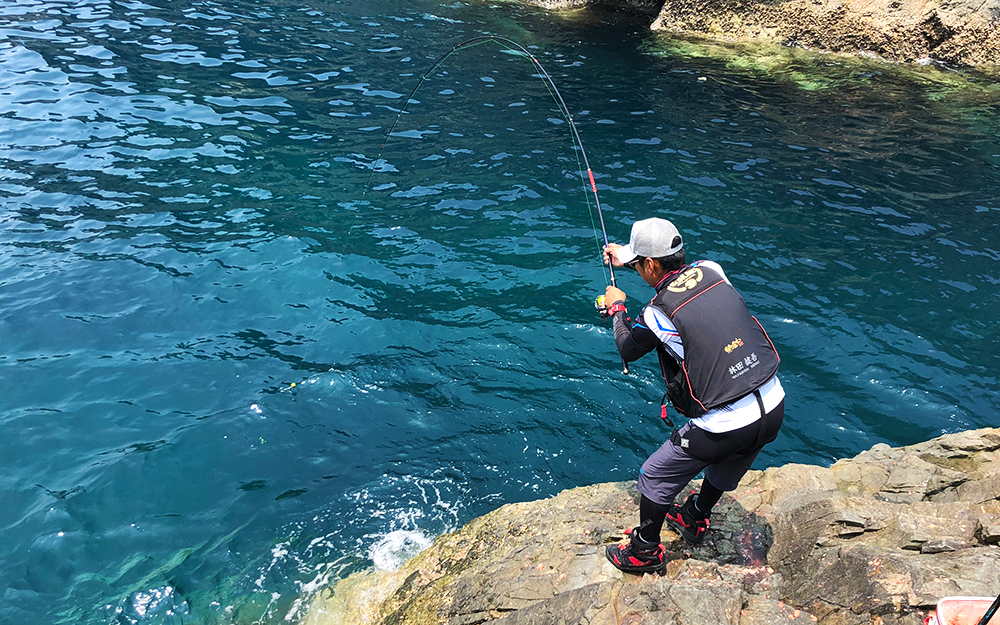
<point>878,538</point>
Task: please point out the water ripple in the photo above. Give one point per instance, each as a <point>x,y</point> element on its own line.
<point>233,372</point>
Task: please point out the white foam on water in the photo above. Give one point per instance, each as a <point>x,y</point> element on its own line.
<point>386,522</point>
<point>392,550</point>
<point>160,604</point>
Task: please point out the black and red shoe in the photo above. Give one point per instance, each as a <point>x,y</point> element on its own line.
<point>638,556</point>
<point>690,522</point>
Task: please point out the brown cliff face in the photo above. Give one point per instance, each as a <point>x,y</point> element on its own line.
<point>878,538</point>
<point>956,32</point>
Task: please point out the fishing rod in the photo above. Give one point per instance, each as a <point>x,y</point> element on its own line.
<point>513,46</point>
<point>990,612</point>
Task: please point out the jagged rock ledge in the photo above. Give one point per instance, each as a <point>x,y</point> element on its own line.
<point>875,539</point>
<point>955,32</point>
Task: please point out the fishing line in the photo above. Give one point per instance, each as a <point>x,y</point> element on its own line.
<point>513,46</point>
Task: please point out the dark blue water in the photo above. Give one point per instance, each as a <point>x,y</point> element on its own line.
<point>230,374</point>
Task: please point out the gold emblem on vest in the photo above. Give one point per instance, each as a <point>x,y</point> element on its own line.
<point>686,281</point>
<point>737,343</point>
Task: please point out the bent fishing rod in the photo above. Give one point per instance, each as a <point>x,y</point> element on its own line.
<point>517,48</point>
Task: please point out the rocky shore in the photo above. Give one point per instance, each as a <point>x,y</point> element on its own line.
<point>875,539</point>
<point>955,32</point>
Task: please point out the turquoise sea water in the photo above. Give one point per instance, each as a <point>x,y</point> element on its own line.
<point>185,234</point>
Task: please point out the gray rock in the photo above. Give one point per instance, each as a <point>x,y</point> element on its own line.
<point>962,32</point>
<point>988,532</point>
<point>761,611</point>
<point>569,608</point>
<point>942,545</point>
<point>793,544</point>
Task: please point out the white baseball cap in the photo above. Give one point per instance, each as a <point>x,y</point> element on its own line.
<point>651,238</point>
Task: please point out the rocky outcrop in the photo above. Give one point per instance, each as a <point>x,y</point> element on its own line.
<point>958,32</point>
<point>878,538</point>
<point>638,7</point>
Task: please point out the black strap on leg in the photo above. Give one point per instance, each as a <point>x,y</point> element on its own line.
<point>651,516</point>
<point>761,430</point>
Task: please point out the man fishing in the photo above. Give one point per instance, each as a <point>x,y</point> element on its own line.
<point>720,369</point>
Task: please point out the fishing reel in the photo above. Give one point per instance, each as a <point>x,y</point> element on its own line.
<point>602,308</point>
<point>607,311</point>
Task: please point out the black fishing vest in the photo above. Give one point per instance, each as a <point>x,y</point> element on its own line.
<point>727,353</point>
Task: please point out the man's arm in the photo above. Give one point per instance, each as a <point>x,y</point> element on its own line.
<point>714,266</point>
<point>633,341</point>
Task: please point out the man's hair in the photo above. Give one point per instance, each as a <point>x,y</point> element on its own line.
<point>673,262</point>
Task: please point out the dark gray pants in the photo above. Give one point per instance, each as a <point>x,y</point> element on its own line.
<point>725,458</point>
